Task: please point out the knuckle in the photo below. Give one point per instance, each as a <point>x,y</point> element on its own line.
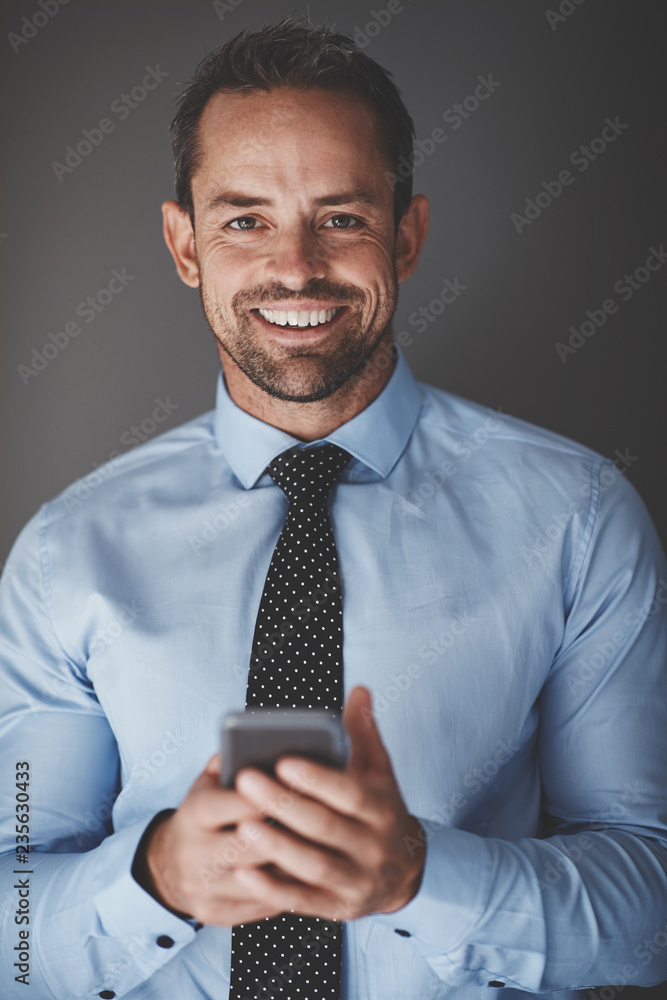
<point>358,895</point>
<point>197,810</point>
<point>376,854</point>
<point>320,825</point>
<point>322,870</point>
<point>357,800</point>
<point>389,817</point>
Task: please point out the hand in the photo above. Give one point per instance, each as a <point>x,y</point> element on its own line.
<point>339,852</point>
<point>188,859</point>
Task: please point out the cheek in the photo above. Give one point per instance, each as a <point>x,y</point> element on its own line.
<point>223,275</point>
<point>372,268</point>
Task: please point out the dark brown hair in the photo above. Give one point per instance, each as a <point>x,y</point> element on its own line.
<point>294,55</point>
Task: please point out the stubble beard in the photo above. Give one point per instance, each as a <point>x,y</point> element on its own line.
<point>292,373</point>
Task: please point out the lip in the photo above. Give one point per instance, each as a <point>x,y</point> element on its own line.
<point>295,334</point>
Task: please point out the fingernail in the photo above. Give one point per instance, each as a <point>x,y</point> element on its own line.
<point>249,782</point>
<point>290,769</point>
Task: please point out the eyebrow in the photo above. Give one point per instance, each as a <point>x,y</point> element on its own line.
<point>234,199</point>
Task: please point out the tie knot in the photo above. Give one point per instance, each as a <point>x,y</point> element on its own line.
<point>308,474</point>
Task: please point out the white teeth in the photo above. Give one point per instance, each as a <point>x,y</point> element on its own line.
<point>299,318</point>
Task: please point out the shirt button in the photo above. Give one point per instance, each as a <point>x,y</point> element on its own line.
<point>164,941</point>
<point>397,930</point>
<point>496,982</point>
<point>107,994</point>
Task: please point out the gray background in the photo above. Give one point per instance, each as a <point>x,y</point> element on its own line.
<point>60,240</point>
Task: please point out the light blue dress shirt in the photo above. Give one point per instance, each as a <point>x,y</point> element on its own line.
<point>504,598</point>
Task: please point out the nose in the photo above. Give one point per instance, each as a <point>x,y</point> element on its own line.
<point>295,258</point>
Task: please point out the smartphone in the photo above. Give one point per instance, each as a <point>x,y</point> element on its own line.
<point>259,736</point>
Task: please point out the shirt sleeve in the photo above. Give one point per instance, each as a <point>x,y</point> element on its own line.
<point>73,921</point>
<point>586,904</point>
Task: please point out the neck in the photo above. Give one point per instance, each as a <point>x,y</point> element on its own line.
<point>312,421</point>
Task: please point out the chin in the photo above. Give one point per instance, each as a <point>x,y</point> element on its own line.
<point>298,391</point>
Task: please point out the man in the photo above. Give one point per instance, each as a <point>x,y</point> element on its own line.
<point>501,821</point>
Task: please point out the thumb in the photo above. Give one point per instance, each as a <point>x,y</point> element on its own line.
<point>367,750</point>
<point>214,765</point>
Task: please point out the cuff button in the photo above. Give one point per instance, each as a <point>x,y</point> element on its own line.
<point>496,982</point>
<point>164,941</point>
<point>397,930</point>
<point>107,994</point>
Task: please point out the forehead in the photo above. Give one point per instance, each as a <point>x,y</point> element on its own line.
<point>289,137</point>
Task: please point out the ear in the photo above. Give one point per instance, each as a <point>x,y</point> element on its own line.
<point>180,238</point>
<point>412,231</point>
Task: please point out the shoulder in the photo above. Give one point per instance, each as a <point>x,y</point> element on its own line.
<point>466,420</point>
<point>483,440</point>
<point>154,469</point>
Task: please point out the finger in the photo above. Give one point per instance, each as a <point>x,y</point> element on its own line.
<point>214,807</point>
<point>338,790</point>
<point>229,902</point>
<point>312,816</point>
<point>214,765</point>
<point>299,858</point>
<point>298,898</point>
<point>367,751</point>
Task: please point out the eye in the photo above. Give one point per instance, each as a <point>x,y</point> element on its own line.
<point>245,223</point>
<point>342,222</point>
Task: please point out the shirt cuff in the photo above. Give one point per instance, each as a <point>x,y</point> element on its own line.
<point>125,908</point>
<point>451,898</point>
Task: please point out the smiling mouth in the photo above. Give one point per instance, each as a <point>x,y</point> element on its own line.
<point>294,318</point>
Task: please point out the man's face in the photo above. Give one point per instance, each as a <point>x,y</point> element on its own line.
<point>294,216</point>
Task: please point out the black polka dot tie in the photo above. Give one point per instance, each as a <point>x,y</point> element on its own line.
<point>296,662</point>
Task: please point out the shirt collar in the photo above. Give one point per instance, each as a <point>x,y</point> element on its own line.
<point>376,436</point>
